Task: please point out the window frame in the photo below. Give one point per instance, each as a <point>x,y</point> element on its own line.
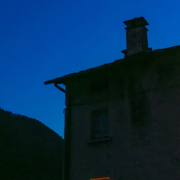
<point>99,85</point>
<point>99,124</point>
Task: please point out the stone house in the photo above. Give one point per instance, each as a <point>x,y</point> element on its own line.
<point>122,119</point>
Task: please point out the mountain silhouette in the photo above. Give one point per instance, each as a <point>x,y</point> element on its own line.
<point>29,150</point>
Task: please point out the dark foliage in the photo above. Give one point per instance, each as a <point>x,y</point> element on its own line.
<point>29,150</point>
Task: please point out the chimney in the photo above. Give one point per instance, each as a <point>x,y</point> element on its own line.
<point>136,36</point>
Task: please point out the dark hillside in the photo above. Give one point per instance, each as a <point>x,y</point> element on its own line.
<point>29,150</point>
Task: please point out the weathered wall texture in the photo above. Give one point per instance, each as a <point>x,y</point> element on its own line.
<point>143,101</point>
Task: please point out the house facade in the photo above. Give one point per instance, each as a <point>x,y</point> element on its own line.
<point>122,119</point>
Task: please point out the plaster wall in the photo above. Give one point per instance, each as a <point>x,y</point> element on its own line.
<point>143,112</point>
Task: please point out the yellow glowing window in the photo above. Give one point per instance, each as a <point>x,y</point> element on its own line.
<point>105,178</point>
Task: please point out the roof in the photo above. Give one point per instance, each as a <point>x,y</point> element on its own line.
<point>141,56</point>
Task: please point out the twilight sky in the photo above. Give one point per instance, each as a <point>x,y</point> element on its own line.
<point>45,39</point>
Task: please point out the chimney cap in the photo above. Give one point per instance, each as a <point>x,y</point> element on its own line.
<point>136,22</point>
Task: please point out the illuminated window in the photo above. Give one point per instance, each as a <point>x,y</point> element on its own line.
<point>100,124</point>
<point>105,178</point>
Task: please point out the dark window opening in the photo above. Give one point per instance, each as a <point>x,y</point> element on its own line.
<point>100,124</point>
<point>98,85</point>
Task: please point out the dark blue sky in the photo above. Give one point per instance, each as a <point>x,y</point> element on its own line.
<point>44,39</point>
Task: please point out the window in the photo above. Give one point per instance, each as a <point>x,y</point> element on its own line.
<point>100,124</point>
<point>105,178</point>
<point>98,85</point>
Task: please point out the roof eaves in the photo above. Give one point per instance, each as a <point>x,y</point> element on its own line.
<point>64,79</point>
<point>59,80</point>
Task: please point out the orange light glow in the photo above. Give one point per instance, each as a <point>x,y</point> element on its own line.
<point>104,178</point>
